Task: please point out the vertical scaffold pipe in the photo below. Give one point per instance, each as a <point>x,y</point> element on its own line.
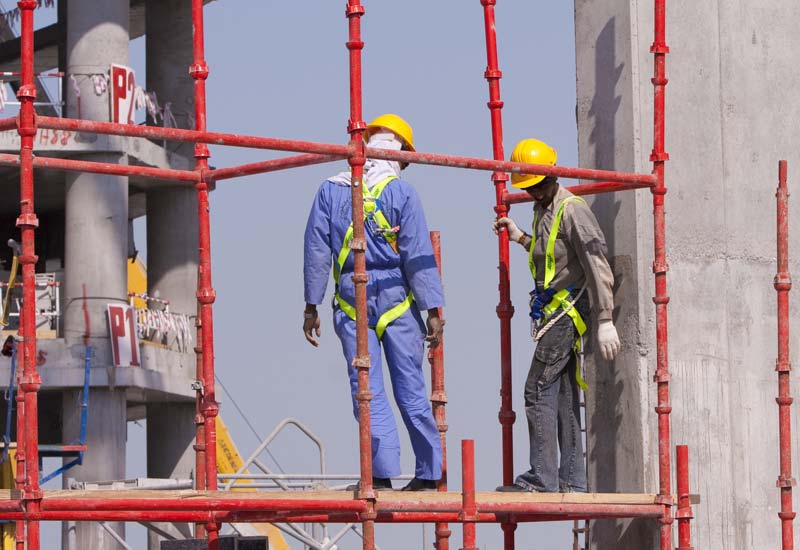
<point>19,481</point>
<point>469,512</point>
<point>684,513</point>
<point>783,284</point>
<point>205,291</point>
<point>30,382</point>
<point>662,376</point>
<point>199,421</point>
<point>356,127</point>
<point>505,309</point>
<point>439,401</point>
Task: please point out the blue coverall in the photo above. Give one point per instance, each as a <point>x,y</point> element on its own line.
<point>391,277</point>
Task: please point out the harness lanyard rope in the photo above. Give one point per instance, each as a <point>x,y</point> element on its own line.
<point>372,210</point>
<point>560,299</point>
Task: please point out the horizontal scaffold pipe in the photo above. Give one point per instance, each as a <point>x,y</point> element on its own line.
<point>110,168</point>
<point>581,190</point>
<point>511,167</point>
<point>230,516</point>
<point>277,144</point>
<point>271,166</point>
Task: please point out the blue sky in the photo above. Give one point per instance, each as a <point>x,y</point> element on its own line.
<point>280,69</point>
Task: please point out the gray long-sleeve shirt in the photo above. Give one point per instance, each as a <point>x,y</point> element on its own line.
<point>580,252</point>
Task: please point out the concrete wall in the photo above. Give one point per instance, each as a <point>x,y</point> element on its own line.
<point>729,121</point>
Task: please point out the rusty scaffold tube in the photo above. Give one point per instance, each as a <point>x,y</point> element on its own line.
<point>662,376</point>
<point>30,382</point>
<point>469,513</point>
<point>356,127</point>
<point>439,401</point>
<point>280,144</point>
<point>505,309</point>
<point>209,407</point>
<point>783,365</point>
<point>684,511</point>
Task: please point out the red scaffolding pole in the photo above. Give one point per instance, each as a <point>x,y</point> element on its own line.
<point>30,382</point>
<point>505,309</point>
<point>439,400</point>
<point>209,509</point>
<point>659,157</point>
<point>783,365</point>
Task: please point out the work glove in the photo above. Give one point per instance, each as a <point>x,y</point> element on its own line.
<point>311,324</point>
<point>608,340</point>
<point>514,232</point>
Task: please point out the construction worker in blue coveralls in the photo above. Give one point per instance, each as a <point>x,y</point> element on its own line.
<point>567,258</point>
<point>403,281</point>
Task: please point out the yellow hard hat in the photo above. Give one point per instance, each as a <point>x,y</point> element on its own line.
<point>396,125</point>
<point>531,151</point>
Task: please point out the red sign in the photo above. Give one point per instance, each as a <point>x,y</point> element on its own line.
<point>124,340</point>
<point>123,94</point>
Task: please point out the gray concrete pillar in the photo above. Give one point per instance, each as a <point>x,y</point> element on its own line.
<point>172,247</point>
<point>169,54</point>
<point>104,459</point>
<point>172,232</point>
<point>727,127</point>
<point>96,236</point>
<point>170,453</point>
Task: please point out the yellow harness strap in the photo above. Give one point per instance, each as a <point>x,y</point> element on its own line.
<point>371,210</point>
<point>561,298</point>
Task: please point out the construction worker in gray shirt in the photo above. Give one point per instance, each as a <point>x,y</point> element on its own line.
<point>567,258</point>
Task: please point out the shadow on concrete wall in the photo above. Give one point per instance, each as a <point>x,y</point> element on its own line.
<point>609,390</point>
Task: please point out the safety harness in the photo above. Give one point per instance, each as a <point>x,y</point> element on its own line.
<point>373,214</point>
<point>546,304</point>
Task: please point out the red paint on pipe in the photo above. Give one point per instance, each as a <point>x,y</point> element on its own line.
<point>356,127</point>
<point>580,190</point>
<point>783,365</point>
<point>439,401</point>
<point>278,144</point>
<point>205,290</point>
<point>469,508</point>
<point>8,124</point>
<point>662,376</point>
<point>30,381</point>
<point>505,309</point>
<point>199,421</point>
<point>684,513</point>
<point>70,165</point>
<point>270,166</point>
<point>255,516</point>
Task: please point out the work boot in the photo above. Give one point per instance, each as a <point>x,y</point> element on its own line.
<point>418,484</point>
<point>381,483</point>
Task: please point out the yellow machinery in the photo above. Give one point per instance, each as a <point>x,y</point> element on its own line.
<point>228,462</point>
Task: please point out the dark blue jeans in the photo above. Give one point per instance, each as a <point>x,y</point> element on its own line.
<point>552,405</point>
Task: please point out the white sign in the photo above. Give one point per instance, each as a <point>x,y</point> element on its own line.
<point>123,94</point>
<point>124,340</point>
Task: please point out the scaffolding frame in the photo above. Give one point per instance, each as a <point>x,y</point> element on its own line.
<point>29,505</point>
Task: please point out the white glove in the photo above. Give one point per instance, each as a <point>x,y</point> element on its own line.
<point>608,340</point>
<point>514,232</point>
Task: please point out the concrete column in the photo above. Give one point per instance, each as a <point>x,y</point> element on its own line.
<point>172,233</point>
<point>170,453</point>
<point>104,460</point>
<point>172,247</point>
<point>96,246</point>
<point>169,54</point>
<point>727,114</point>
